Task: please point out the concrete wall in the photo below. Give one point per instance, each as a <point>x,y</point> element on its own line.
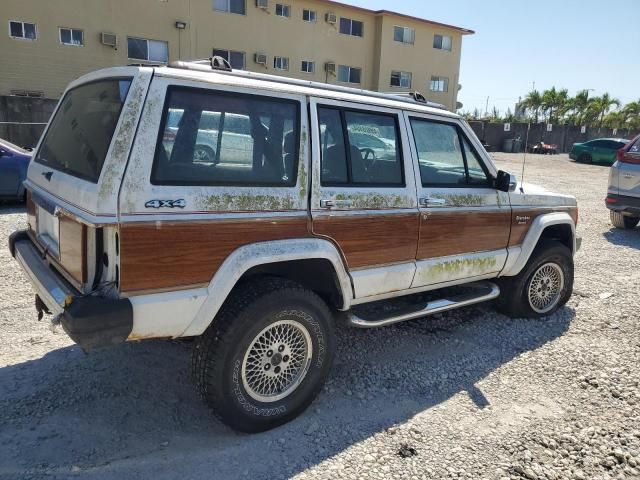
<point>45,65</point>
<point>564,136</point>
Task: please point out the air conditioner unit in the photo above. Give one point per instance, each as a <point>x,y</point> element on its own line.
<point>260,58</point>
<point>330,68</point>
<point>331,18</point>
<point>109,39</point>
<point>264,4</point>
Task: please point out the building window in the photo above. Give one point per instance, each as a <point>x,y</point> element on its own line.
<point>281,63</point>
<point>439,84</point>
<point>230,6</point>
<point>308,66</point>
<point>71,36</point>
<point>351,27</point>
<point>22,30</point>
<point>404,35</point>
<point>442,42</point>
<point>283,10</point>
<point>349,74</point>
<point>309,16</point>
<point>236,59</point>
<point>148,50</point>
<point>401,79</point>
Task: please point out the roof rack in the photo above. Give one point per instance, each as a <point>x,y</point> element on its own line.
<point>222,66</point>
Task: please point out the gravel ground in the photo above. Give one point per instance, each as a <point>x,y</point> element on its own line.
<point>468,394</point>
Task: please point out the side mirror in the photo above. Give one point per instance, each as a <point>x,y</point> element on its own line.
<point>505,182</point>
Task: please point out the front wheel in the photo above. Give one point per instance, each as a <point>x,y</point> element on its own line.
<point>266,356</point>
<point>621,221</point>
<point>585,158</point>
<point>542,287</point>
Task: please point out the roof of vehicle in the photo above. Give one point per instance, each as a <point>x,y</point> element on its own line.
<point>623,140</point>
<point>13,146</point>
<point>200,71</point>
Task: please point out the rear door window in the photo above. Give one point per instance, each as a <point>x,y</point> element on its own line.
<point>360,148</point>
<point>218,138</point>
<point>80,133</point>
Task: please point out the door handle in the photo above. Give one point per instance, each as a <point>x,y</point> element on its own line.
<point>627,175</point>
<point>432,202</point>
<point>335,203</point>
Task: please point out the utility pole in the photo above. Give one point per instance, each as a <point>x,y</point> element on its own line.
<point>486,108</point>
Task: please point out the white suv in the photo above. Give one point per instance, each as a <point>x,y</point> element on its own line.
<point>623,197</point>
<point>316,199</point>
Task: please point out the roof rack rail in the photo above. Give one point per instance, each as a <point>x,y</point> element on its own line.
<point>222,66</point>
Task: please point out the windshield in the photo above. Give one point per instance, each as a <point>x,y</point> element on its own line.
<point>80,133</point>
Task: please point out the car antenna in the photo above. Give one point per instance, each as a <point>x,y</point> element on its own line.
<point>524,159</point>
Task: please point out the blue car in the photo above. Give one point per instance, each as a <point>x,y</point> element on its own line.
<point>13,170</point>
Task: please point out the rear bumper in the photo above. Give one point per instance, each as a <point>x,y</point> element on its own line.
<point>624,204</point>
<point>90,321</point>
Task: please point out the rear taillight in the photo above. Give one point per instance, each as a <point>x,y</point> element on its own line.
<point>625,157</point>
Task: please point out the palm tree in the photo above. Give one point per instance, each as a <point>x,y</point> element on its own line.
<point>533,102</point>
<point>632,114</point>
<point>579,106</point>
<point>494,117</point>
<point>602,105</point>
<point>616,119</point>
<point>554,101</point>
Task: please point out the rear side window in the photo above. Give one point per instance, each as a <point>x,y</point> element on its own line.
<point>80,133</point>
<point>446,157</point>
<point>360,148</point>
<point>217,138</point>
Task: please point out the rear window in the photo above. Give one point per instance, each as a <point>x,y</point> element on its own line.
<point>80,133</point>
<point>216,138</point>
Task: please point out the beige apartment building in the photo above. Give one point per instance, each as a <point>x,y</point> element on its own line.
<point>49,43</point>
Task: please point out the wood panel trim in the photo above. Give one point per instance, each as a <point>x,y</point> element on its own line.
<point>519,230</point>
<point>72,247</point>
<point>447,233</point>
<point>162,256</point>
<point>371,239</point>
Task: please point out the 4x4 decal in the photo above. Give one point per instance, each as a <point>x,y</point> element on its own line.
<point>166,204</point>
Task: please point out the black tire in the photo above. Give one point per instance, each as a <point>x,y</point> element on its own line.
<point>219,354</point>
<point>514,291</point>
<point>621,221</point>
<point>203,153</point>
<point>585,158</point>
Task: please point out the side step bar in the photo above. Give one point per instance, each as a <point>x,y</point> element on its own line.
<point>480,292</point>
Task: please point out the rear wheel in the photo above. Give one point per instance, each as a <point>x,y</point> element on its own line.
<point>544,285</point>
<point>585,158</point>
<point>620,221</point>
<point>266,356</point>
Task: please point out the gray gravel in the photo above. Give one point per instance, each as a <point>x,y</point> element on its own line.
<point>469,394</point>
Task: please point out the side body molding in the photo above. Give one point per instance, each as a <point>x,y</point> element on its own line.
<point>249,256</point>
<point>518,256</point>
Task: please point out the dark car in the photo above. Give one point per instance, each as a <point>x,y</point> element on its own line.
<point>14,161</point>
<point>600,150</point>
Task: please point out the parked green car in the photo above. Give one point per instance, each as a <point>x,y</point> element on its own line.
<point>600,150</point>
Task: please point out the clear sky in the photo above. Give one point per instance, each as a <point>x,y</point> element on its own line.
<point>573,44</point>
